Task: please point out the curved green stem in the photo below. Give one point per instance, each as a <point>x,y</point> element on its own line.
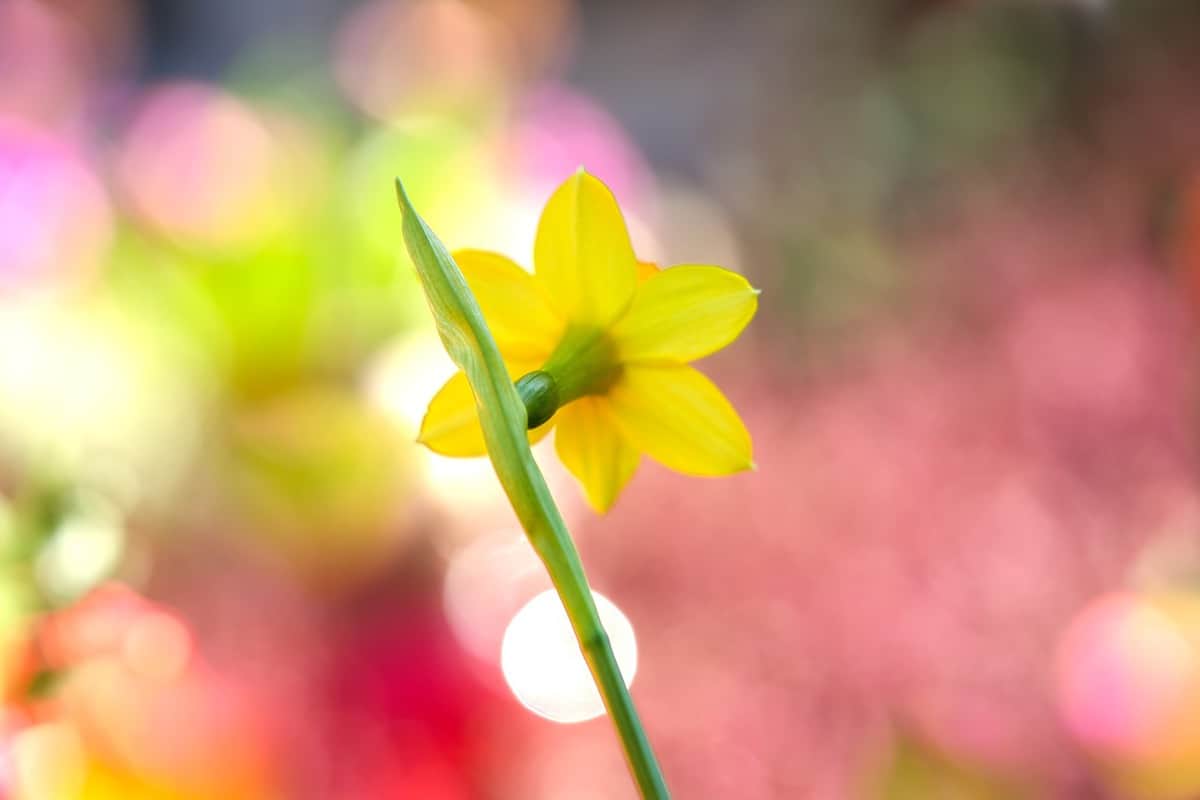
<point>503,418</point>
<point>566,572</point>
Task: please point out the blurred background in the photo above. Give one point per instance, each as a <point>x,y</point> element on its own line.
<point>968,565</point>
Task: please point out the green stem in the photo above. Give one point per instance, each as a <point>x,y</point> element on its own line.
<point>504,420</point>
<point>566,572</point>
<point>530,497</point>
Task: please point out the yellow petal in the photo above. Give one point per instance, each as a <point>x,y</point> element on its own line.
<point>684,313</point>
<point>594,451</point>
<point>647,270</point>
<point>513,303</point>
<point>582,253</point>
<point>451,424</point>
<point>679,418</point>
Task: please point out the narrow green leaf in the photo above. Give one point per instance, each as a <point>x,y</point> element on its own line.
<point>466,337</point>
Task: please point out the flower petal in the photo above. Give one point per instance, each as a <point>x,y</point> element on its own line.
<point>646,270</point>
<point>582,253</point>
<point>679,418</point>
<point>594,451</point>
<point>684,313</point>
<point>451,424</point>
<point>514,304</point>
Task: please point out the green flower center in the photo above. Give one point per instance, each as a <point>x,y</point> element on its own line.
<point>584,363</point>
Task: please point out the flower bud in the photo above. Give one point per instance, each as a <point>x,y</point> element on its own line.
<point>539,393</point>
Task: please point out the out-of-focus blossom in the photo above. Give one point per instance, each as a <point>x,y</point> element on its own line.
<point>611,337</point>
<point>927,521</point>
<point>55,59</point>
<point>136,713</point>
<point>56,223</point>
<point>319,472</point>
<point>555,129</point>
<point>98,625</point>
<point>1129,689</point>
<point>407,714</point>
<point>206,170</point>
<point>212,363</point>
<point>393,57</point>
<point>92,395</point>
<point>45,761</point>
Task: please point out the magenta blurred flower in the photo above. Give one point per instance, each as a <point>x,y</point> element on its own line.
<point>55,220</point>
<point>556,129</point>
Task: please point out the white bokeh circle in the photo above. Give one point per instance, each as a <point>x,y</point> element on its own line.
<point>543,666</point>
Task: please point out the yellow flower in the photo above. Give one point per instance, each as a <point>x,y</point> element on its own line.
<point>599,345</point>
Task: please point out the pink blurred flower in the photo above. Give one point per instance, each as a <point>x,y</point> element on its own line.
<point>1129,689</point>
<point>556,130</point>
<point>55,220</point>
<point>928,515</point>
<point>205,169</point>
<point>146,706</point>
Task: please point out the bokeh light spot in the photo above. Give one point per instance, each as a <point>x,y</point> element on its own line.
<point>83,550</point>
<point>542,663</point>
<point>49,762</point>
<point>55,218</point>
<point>197,164</point>
<point>1126,673</point>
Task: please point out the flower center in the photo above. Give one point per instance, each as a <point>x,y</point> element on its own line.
<point>584,363</point>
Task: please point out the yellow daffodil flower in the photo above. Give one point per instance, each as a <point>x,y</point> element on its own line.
<point>599,344</point>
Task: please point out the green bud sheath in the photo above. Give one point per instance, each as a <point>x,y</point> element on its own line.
<point>539,393</point>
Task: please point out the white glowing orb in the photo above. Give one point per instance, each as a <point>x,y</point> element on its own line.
<point>401,381</point>
<point>541,662</point>
<point>83,550</point>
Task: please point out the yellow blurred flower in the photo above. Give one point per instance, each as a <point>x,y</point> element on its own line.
<point>599,344</point>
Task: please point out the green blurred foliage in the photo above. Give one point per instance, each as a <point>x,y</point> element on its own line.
<point>916,771</point>
<point>320,476</point>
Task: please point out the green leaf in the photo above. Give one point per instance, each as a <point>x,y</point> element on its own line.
<point>466,337</point>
